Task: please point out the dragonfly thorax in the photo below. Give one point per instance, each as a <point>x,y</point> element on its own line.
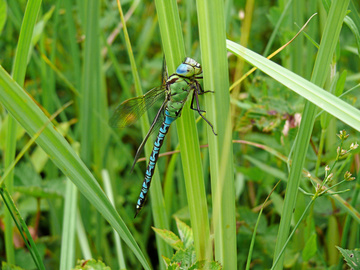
<point>189,68</point>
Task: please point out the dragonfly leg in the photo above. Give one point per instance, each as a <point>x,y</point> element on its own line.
<point>192,104</point>
<point>201,90</point>
<point>195,95</point>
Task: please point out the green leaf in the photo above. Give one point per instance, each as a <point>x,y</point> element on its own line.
<point>340,85</point>
<point>186,257</point>
<point>39,27</point>
<point>206,265</point>
<point>91,265</point>
<point>26,175</point>
<point>173,266</point>
<point>167,261</point>
<point>23,257</point>
<point>185,232</point>
<point>350,23</point>
<point>352,257</point>
<point>310,248</point>
<point>37,192</point>
<point>3,14</point>
<point>8,266</point>
<point>169,237</point>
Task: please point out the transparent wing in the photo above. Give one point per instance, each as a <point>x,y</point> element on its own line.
<point>158,120</point>
<point>165,75</point>
<point>128,112</point>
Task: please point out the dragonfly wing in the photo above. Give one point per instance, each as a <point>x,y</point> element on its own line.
<point>158,120</point>
<point>128,112</point>
<point>165,75</point>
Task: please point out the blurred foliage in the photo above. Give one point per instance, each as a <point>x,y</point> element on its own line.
<point>266,113</point>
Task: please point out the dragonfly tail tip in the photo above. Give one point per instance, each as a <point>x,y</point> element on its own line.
<point>137,212</point>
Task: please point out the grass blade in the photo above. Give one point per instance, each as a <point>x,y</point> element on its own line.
<point>18,73</point>
<point>216,78</point>
<point>67,258</point>
<point>174,48</point>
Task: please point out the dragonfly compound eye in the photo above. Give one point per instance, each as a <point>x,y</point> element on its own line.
<point>185,70</point>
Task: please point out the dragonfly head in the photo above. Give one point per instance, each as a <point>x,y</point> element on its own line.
<point>189,68</point>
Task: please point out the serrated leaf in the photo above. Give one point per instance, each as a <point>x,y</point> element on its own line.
<point>91,265</point>
<point>167,261</point>
<point>310,248</point>
<point>185,232</point>
<point>206,265</point>
<point>26,176</point>
<point>3,14</point>
<point>9,266</point>
<point>352,257</point>
<point>186,257</point>
<point>173,266</point>
<point>169,237</point>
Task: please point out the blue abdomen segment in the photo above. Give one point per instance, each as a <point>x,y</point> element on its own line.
<point>152,161</point>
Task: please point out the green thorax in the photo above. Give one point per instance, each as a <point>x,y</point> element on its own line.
<point>180,84</point>
<point>178,92</point>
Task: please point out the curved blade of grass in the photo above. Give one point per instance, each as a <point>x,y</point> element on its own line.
<point>21,225</point>
<point>272,54</point>
<point>313,93</point>
<point>354,14</point>
<point>31,118</point>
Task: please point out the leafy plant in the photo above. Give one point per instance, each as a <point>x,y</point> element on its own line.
<point>352,257</point>
<point>185,256</point>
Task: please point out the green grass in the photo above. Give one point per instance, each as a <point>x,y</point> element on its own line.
<point>72,187</point>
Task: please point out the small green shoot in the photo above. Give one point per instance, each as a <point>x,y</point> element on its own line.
<point>185,256</point>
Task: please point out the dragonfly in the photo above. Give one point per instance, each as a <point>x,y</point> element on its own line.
<point>174,91</point>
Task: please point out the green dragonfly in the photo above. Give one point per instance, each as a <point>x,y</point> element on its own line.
<point>174,90</point>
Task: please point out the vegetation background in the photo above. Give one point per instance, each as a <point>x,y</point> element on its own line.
<point>77,62</point>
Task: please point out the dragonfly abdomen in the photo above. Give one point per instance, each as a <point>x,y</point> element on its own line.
<point>152,161</point>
